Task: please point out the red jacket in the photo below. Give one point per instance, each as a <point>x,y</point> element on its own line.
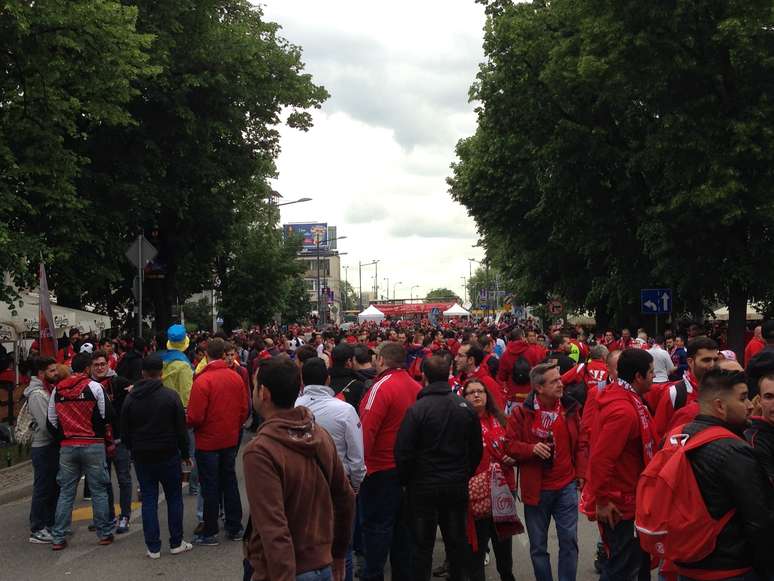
<point>593,374</point>
<point>218,407</point>
<point>753,347</point>
<point>616,456</point>
<point>534,354</point>
<point>666,405</point>
<point>381,413</point>
<point>520,441</point>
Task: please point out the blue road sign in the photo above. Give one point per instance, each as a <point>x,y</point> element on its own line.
<point>656,301</point>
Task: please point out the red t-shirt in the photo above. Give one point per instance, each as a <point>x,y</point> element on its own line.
<point>562,472</point>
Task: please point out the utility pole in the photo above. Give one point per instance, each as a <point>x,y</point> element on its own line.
<point>376,280</point>
<point>343,297</point>
<point>387,280</point>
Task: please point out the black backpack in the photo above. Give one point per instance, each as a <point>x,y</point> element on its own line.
<point>520,372</point>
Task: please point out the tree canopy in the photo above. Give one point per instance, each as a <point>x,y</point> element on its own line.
<point>625,145</point>
<point>154,116</point>
<point>441,294</point>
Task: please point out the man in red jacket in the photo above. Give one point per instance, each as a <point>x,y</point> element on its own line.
<point>623,441</point>
<point>543,437</point>
<point>216,411</point>
<point>381,414</point>
<point>517,349</point>
<point>755,345</point>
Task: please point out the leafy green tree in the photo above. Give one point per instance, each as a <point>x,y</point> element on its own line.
<point>67,68</point>
<point>296,305</point>
<point>198,314</point>
<point>191,171</point>
<point>439,294</point>
<point>349,296</point>
<point>623,145</point>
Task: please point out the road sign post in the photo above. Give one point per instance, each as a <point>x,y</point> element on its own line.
<point>140,253</point>
<point>656,301</point>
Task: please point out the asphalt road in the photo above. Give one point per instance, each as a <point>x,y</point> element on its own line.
<point>125,560</point>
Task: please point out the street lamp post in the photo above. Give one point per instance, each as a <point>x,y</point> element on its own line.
<point>343,297</point>
<point>387,280</point>
<point>395,286</point>
<point>411,292</point>
<point>360,266</point>
<point>298,201</point>
<point>320,314</point>
<point>464,288</point>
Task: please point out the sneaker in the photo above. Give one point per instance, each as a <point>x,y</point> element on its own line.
<point>237,536</point>
<point>123,525</point>
<point>41,537</point>
<point>202,541</point>
<point>486,559</point>
<point>92,527</point>
<point>183,547</point>
<point>441,570</point>
<point>108,540</point>
<point>58,546</point>
<point>152,555</point>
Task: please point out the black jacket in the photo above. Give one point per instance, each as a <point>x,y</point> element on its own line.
<point>561,359</point>
<point>760,435</point>
<point>153,423</point>
<point>439,441</point>
<point>348,380</point>
<point>729,477</point>
<point>131,366</point>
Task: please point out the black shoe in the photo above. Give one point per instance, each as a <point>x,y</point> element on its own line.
<point>442,571</point>
<point>199,530</point>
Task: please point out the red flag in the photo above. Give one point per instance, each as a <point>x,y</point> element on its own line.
<point>47,337</point>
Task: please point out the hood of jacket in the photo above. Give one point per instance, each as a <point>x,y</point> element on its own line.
<point>318,391</point>
<point>517,348</point>
<point>756,422</point>
<point>612,394</point>
<point>110,373</point>
<point>146,387</point>
<point>343,373</point>
<point>570,404</point>
<point>367,373</point>
<point>68,387</point>
<point>295,429</point>
<point>435,388</point>
<point>35,385</point>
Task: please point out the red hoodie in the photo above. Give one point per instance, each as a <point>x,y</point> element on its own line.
<point>616,456</point>
<point>218,407</point>
<point>534,354</point>
<point>753,347</point>
<point>381,413</point>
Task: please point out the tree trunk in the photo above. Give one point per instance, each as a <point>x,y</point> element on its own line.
<point>737,319</point>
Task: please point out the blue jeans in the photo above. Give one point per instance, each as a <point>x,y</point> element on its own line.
<point>217,476</point>
<point>193,478</point>
<point>45,490</point>
<point>75,461</point>
<point>562,505</point>
<point>123,465</point>
<point>385,531</point>
<point>168,474</point>
<point>318,575</point>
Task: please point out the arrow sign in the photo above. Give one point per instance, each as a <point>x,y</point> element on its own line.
<point>656,301</point>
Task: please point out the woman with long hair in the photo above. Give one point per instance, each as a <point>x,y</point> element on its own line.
<point>493,434</point>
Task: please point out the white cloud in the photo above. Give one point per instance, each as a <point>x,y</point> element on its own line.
<point>376,161</point>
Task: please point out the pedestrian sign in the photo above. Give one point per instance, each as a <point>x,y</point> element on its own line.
<point>656,301</point>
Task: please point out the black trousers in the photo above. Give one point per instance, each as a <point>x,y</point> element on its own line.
<point>503,552</point>
<point>444,506</point>
<point>627,561</point>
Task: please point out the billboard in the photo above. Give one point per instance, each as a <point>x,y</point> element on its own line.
<point>310,233</point>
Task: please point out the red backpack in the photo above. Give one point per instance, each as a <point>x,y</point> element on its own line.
<point>671,517</point>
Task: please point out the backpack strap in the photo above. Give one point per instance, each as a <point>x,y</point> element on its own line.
<point>702,438</point>
<point>681,395</point>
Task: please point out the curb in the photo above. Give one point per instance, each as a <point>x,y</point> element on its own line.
<point>14,493</point>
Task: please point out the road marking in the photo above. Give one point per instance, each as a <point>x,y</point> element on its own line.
<point>86,513</point>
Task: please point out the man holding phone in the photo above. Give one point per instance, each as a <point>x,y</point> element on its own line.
<point>623,441</point>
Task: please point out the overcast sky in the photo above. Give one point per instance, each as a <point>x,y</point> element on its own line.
<point>376,160</point>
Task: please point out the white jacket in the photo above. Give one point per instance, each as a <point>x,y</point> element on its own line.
<point>341,421</point>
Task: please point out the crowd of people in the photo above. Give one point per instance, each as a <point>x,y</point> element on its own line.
<point>369,439</point>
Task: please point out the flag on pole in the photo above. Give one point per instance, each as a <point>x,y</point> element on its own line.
<point>47,337</point>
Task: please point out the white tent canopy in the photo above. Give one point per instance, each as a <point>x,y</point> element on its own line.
<point>456,311</point>
<point>721,314</point>
<point>370,314</point>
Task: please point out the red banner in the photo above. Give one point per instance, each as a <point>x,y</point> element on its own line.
<point>47,336</point>
<point>409,309</point>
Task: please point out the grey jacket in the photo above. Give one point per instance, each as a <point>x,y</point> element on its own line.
<point>38,397</point>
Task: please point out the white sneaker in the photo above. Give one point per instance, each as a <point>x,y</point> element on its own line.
<point>184,547</point>
<point>153,555</point>
<point>41,537</point>
<point>486,559</point>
